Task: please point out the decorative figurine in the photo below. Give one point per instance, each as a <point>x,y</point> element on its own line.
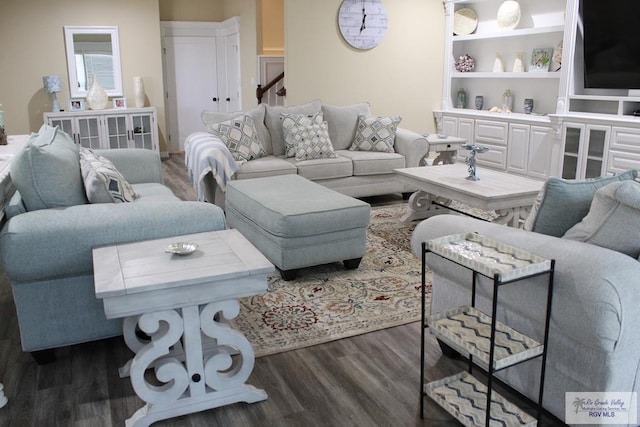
<point>471,159</point>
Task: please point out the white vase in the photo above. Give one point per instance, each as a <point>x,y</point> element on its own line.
<point>498,66</point>
<point>138,92</point>
<point>97,98</point>
<point>518,65</point>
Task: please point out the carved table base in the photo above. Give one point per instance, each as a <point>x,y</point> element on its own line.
<point>198,362</point>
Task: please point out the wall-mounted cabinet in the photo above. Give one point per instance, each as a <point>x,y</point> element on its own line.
<point>107,129</point>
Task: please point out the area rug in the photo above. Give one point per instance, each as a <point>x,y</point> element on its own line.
<point>328,302</point>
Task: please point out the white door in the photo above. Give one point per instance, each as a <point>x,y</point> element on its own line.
<point>229,74</point>
<point>191,84</point>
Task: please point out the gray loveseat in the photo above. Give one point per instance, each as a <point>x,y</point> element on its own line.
<point>594,341</point>
<point>46,244</point>
<point>355,173</point>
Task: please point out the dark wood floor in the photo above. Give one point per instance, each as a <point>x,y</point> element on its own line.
<point>368,380</point>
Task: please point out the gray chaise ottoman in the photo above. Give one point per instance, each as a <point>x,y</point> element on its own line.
<point>296,223</point>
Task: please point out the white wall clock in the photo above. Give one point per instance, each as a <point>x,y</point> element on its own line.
<point>362,23</point>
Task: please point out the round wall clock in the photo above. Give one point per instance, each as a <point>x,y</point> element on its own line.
<point>362,23</point>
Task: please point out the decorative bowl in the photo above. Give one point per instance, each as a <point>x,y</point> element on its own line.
<point>181,248</point>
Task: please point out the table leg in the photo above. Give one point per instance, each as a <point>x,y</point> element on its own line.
<point>513,217</point>
<point>3,398</point>
<point>191,379</point>
<point>421,206</point>
<point>444,157</point>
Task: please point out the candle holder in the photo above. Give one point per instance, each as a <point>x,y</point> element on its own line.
<point>471,159</point>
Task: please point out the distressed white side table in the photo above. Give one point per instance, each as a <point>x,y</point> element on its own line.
<point>445,147</point>
<point>184,305</point>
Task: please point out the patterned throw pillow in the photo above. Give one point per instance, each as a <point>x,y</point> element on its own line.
<point>292,127</point>
<point>102,181</point>
<point>314,142</point>
<point>375,133</point>
<point>240,136</point>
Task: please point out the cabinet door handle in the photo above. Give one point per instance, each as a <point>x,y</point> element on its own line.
<point>228,99</point>
<point>215,99</point>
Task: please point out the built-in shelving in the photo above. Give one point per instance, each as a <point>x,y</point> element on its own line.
<point>522,32</point>
<point>505,75</point>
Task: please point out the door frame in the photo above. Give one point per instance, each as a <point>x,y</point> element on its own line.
<point>192,29</point>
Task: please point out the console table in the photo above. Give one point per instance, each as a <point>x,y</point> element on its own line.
<point>183,303</point>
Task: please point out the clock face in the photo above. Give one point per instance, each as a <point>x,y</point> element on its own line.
<point>362,23</point>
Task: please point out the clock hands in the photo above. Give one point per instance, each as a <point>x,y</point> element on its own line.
<point>364,17</point>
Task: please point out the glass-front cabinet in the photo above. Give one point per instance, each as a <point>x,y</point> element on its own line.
<point>108,129</point>
<point>584,151</point>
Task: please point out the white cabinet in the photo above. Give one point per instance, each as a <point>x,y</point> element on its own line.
<point>518,148</point>
<point>624,150</point>
<point>585,149</point>
<point>106,129</point>
<point>529,150</point>
<point>493,135</point>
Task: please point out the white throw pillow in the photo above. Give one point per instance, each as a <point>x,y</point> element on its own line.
<point>240,136</point>
<point>375,134</point>
<point>314,142</point>
<point>293,126</point>
<point>103,183</point>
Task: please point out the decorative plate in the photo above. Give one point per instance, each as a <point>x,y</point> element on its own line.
<point>181,248</point>
<point>509,15</point>
<point>465,21</point>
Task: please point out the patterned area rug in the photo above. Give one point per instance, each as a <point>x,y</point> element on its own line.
<point>327,302</point>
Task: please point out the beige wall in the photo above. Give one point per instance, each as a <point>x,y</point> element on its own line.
<point>33,46</point>
<point>402,75</point>
<point>271,27</point>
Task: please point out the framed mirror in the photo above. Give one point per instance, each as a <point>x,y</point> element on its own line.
<point>93,51</point>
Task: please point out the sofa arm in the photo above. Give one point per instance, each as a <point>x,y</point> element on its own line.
<point>411,145</point>
<point>58,242</point>
<point>595,298</point>
<point>137,165</point>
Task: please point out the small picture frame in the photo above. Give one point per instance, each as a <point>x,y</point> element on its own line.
<point>76,104</point>
<point>541,59</point>
<point>119,103</point>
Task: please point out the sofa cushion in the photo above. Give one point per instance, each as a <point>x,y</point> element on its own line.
<point>153,192</point>
<point>342,122</point>
<point>210,118</point>
<point>293,128</point>
<point>561,204</point>
<point>102,181</point>
<point>241,137</point>
<point>314,142</point>
<point>317,169</point>
<point>274,124</point>
<point>375,133</point>
<point>47,171</point>
<point>372,162</point>
<point>613,220</point>
<point>265,166</point>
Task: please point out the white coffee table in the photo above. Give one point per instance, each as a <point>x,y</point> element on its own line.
<point>510,196</point>
<point>184,304</point>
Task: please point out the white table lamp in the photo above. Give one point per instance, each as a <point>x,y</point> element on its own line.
<point>52,85</point>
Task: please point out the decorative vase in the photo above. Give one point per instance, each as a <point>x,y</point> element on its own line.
<point>528,106</point>
<point>97,98</point>
<point>461,99</point>
<point>507,101</point>
<point>498,66</point>
<point>479,102</point>
<point>518,65</point>
<point>138,92</point>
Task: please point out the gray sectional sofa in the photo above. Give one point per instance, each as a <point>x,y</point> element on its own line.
<point>352,172</point>
<point>46,244</point>
<point>594,340</point>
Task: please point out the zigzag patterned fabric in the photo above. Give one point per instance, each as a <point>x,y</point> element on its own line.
<point>103,182</point>
<point>240,135</point>
<point>375,133</point>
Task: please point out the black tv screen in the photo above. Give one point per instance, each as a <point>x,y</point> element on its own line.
<point>611,44</point>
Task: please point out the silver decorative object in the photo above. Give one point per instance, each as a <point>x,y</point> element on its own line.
<point>471,159</point>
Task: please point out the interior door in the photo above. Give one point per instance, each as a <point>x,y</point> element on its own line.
<point>191,84</point>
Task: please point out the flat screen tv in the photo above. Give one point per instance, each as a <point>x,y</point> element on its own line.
<point>611,44</point>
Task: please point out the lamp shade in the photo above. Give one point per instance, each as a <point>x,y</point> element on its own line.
<point>52,84</point>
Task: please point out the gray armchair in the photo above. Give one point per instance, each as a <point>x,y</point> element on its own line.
<point>47,252</point>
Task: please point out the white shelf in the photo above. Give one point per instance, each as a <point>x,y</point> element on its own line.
<point>505,75</point>
<point>522,32</point>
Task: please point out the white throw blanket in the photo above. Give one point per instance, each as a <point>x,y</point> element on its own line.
<point>204,153</point>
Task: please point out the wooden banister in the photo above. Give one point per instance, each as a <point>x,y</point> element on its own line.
<point>260,91</point>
